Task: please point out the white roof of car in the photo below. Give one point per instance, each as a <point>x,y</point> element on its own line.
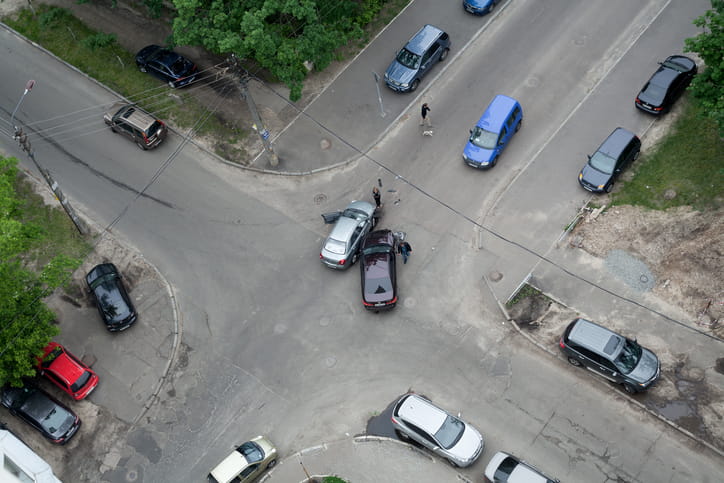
<point>522,473</point>
<point>422,413</point>
<point>230,468</point>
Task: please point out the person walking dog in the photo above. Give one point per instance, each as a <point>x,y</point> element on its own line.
<point>404,249</point>
<point>377,196</point>
<point>423,112</point>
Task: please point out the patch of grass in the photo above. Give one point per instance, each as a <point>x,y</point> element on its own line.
<point>688,160</point>
<point>57,235</point>
<point>101,57</point>
<point>524,292</point>
<point>333,479</point>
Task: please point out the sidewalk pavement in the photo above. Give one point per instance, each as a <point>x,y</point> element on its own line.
<point>363,459</point>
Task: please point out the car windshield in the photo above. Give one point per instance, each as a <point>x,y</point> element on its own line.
<point>483,139</point>
<point>408,59</point>
<point>629,357</point>
<point>354,214</point>
<point>674,65</point>
<point>450,432</point>
<point>52,355</point>
<point>377,249</point>
<point>602,163</point>
<point>82,381</point>
<point>335,246</point>
<point>251,451</point>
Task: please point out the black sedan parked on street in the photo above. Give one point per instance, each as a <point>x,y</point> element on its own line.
<point>43,412</point>
<point>378,270</point>
<point>167,65</point>
<point>111,297</point>
<point>666,85</point>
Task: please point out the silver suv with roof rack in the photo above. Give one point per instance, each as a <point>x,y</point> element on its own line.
<point>608,354</point>
<point>136,124</point>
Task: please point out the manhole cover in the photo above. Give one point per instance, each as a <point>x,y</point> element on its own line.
<point>320,198</point>
<point>325,144</point>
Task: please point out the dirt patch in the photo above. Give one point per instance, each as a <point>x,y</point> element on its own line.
<point>683,248</point>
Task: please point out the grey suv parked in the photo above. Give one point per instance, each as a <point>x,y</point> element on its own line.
<point>427,47</point>
<point>610,355</point>
<point>620,149</point>
<point>136,124</point>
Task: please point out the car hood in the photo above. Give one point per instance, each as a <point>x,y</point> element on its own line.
<point>593,176</point>
<point>647,368</point>
<point>469,447</point>
<point>477,154</point>
<point>399,73</point>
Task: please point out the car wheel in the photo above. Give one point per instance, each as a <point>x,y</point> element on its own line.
<point>401,436</point>
<point>494,161</point>
<point>413,86</point>
<point>453,463</point>
<point>443,56</point>
<point>171,84</point>
<point>629,389</point>
<point>113,128</point>
<point>517,128</point>
<point>142,68</point>
<point>574,362</point>
<point>141,145</point>
<point>271,464</point>
<point>354,258</point>
<point>609,187</point>
<point>636,156</point>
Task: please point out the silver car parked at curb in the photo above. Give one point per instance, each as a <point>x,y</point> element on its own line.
<point>417,419</point>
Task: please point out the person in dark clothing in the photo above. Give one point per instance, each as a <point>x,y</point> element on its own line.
<point>404,249</point>
<point>377,196</point>
<point>424,119</point>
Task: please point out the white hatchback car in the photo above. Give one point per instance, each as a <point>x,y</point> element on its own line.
<point>416,418</point>
<point>246,463</point>
<point>506,468</point>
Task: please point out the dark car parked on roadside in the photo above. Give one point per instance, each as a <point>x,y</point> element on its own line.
<point>378,270</point>
<point>666,84</point>
<point>43,412</point>
<point>136,124</point>
<point>426,48</point>
<point>167,65</point>
<point>620,149</point>
<point>608,354</point>
<point>113,302</point>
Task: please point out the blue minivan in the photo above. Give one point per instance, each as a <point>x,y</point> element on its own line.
<point>493,132</point>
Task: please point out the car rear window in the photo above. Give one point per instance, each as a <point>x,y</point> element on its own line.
<point>505,469</point>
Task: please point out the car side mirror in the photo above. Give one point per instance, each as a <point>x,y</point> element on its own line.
<point>589,156</point>
<point>471,131</point>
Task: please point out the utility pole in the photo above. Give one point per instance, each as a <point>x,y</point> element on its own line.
<point>22,138</point>
<point>243,77</point>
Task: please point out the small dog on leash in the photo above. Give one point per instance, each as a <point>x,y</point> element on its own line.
<point>428,132</point>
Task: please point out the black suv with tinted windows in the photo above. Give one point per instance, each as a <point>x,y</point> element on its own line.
<point>620,149</point>
<point>136,124</point>
<point>610,355</point>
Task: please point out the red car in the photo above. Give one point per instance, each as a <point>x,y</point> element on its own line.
<point>67,371</point>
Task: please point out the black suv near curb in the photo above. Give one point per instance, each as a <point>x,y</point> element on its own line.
<point>608,354</point>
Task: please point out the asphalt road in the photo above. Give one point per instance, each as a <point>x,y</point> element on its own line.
<point>274,343</point>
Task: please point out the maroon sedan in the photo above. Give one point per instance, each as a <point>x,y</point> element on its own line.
<point>378,270</point>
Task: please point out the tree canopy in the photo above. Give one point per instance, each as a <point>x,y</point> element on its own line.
<point>25,321</point>
<point>708,86</point>
<point>280,35</point>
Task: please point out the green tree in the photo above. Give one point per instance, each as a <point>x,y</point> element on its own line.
<point>280,35</point>
<point>25,320</point>
<point>708,86</point>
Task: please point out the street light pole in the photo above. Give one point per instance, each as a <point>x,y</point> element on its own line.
<point>22,138</point>
<point>379,95</point>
